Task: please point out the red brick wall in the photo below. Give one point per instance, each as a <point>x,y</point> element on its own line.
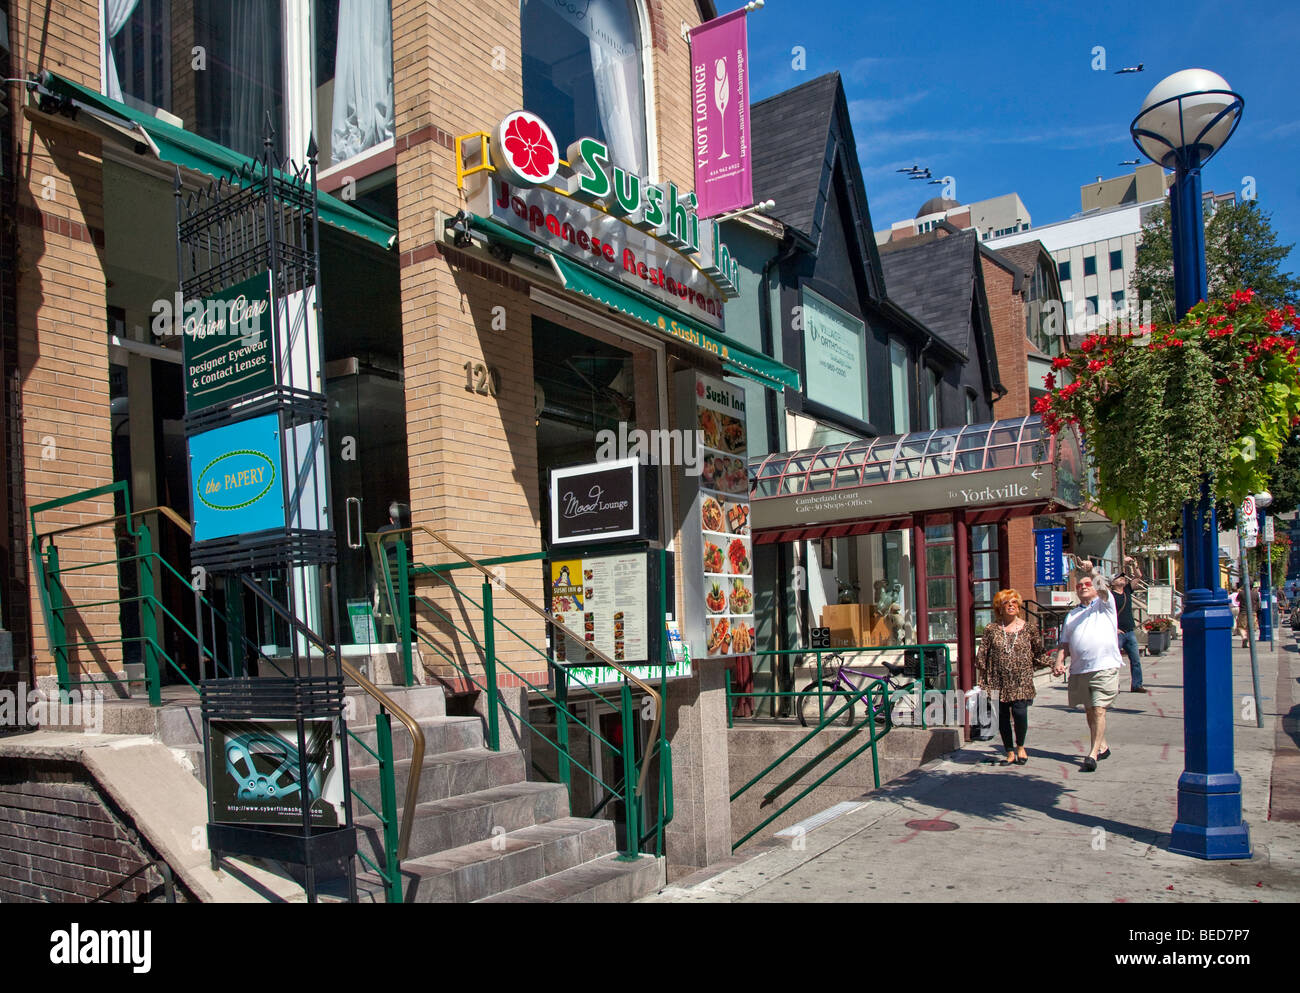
<point>62,343</point>
<point>60,843</point>
<point>1007,313</point>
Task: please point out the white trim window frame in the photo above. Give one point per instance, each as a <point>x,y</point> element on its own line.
<point>648,100</point>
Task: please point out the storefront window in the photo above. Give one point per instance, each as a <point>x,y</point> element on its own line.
<point>354,77</point>
<point>583,73</point>
<point>941,583</point>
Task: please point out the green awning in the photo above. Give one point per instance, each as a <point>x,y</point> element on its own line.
<point>737,358</point>
<point>189,151</point>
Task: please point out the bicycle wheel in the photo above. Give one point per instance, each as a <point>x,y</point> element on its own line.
<point>831,698</point>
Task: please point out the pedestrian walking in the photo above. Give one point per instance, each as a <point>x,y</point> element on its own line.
<point>1005,663</point>
<point>1090,639</point>
<point>1128,642</point>
<point>1238,619</point>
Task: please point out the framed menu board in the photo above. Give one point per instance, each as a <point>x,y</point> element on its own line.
<point>606,597</point>
<point>719,567</point>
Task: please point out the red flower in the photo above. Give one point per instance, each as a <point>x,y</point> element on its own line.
<point>1096,366</point>
<point>1070,390</point>
<point>1061,362</point>
<point>1274,320</point>
<point>1042,405</point>
<point>530,150</point>
<point>1050,380</point>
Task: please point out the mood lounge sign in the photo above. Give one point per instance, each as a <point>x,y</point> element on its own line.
<point>596,502</point>
<point>648,237</point>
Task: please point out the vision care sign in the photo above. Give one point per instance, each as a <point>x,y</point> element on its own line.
<point>236,479</point>
<point>227,344</point>
<point>596,502</point>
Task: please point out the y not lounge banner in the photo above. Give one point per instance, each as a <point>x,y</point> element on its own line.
<point>720,115</point>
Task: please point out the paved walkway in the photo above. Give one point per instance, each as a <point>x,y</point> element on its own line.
<point>1048,831</point>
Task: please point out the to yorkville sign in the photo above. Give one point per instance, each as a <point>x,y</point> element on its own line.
<point>648,236</point>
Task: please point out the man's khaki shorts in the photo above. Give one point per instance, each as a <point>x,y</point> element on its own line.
<point>1094,689</point>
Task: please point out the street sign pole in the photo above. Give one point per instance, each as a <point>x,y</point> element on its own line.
<point>1245,601</point>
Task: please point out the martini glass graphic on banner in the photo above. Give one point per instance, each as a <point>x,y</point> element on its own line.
<point>721,97</point>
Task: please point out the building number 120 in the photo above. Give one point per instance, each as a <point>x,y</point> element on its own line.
<point>482,379</point>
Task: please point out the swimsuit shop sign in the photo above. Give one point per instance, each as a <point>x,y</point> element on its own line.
<point>227,344</point>
<point>596,502</point>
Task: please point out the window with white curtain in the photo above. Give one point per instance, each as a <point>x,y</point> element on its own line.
<point>218,65</point>
<point>354,77</point>
<point>898,379</point>
<point>583,73</point>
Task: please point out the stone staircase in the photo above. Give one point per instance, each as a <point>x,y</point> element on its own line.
<point>481,832</point>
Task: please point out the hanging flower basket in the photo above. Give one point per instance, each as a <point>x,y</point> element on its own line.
<point>1163,407</point>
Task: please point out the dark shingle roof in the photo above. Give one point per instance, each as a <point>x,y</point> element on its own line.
<point>1024,257</point>
<point>790,133</point>
<point>933,279</point>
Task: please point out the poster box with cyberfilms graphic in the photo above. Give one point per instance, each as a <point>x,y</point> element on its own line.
<point>254,772</point>
<point>236,478</point>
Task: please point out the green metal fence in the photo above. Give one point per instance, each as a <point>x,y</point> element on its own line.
<point>631,786</point>
<point>57,607</point>
<point>861,657</point>
<point>876,704</point>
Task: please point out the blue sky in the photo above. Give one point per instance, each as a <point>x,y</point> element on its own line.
<point>1002,96</point>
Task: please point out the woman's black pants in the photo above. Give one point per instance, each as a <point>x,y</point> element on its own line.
<point>1017,711</point>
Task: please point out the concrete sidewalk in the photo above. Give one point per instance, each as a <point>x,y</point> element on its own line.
<point>961,830</point>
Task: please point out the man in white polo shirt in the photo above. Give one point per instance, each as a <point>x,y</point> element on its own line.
<point>1090,636</point>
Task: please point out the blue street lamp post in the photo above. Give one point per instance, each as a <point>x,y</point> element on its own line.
<point>1184,120</point>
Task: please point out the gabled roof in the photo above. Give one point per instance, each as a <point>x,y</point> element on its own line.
<point>934,280</point>
<point>1024,256</point>
<point>790,133</point>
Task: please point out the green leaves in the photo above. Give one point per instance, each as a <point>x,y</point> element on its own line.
<point>1213,396</point>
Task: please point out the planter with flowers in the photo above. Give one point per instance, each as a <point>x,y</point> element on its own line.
<point>1161,408</point>
<point>1159,630</point>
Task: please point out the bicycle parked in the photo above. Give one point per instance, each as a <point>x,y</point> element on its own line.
<point>848,686</point>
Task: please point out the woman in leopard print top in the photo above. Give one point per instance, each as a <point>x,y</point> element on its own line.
<point>1011,649</point>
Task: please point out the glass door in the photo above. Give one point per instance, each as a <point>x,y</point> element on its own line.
<point>369,473</point>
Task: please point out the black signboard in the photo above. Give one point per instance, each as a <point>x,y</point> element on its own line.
<point>603,501</point>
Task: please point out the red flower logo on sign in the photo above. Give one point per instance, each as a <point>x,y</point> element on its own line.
<point>528,152</point>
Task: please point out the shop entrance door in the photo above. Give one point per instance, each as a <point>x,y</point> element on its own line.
<point>368,473</point>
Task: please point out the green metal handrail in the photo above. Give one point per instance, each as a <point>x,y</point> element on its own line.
<point>920,679</point>
<point>53,605</point>
<point>404,601</point>
<point>876,734</point>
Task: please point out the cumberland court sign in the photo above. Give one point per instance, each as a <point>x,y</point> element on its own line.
<point>647,236</point>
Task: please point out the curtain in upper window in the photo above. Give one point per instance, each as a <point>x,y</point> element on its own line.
<point>362,67</point>
<point>583,73</point>
<point>116,14</point>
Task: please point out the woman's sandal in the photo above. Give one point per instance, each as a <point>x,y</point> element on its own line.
<point>1022,759</point>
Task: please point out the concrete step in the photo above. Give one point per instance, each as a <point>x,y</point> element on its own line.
<point>606,880</point>
<point>484,868</point>
<point>448,823</point>
<point>418,701</point>
<point>445,774</point>
<point>441,734</point>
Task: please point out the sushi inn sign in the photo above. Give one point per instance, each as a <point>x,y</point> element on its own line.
<point>647,236</point>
